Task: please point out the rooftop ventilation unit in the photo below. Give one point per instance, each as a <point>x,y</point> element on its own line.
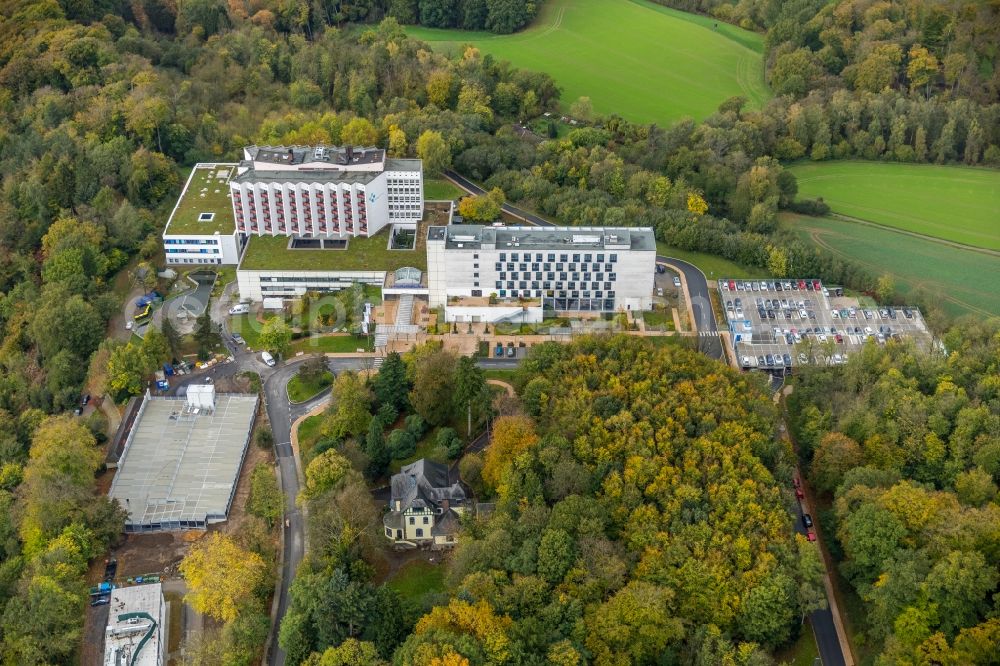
<point>580,238</point>
<point>201,396</point>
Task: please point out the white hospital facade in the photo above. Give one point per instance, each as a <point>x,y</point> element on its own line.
<point>325,196</point>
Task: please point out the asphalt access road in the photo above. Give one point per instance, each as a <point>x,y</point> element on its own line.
<point>822,620</point>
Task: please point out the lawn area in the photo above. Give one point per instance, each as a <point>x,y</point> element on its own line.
<point>309,434</point>
<point>332,344</point>
<point>439,188</point>
<point>667,64</point>
<point>300,391</point>
<point>248,327</point>
<point>659,319</point>
<point>361,254</point>
<point>961,281</point>
<point>712,266</point>
<point>417,579</point>
<point>204,193</point>
<point>953,203</point>
<point>802,652</point>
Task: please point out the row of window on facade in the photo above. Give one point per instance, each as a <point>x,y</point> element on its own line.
<point>190,241</point>
<point>190,251</point>
<point>510,284</point>
<point>179,260</point>
<point>537,267</point>
<point>551,256</point>
<point>587,277</point>
<point>551,293</point>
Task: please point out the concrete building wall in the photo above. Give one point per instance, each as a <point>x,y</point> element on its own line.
<point>217,248</point>
<point>257,285</point>
<point>621,275</point>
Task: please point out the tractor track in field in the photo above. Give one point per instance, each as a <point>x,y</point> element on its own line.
<point>817,236</point>
<point>933,239</point>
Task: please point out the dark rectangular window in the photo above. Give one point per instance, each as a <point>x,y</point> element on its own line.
<point>552,257</point>
<point>576,257</point>
<point>503,256</point>
<point>499,284</point>
<point>588,258</point>
<point>475,293</point>
<point>513,256</point>
<point>614,258</point>
<point>600,258</point>
<point>499,266</point>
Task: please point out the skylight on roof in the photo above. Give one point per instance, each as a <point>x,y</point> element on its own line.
<point>206,217</point>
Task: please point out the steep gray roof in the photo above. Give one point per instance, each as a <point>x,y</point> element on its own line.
<point>424,484</point>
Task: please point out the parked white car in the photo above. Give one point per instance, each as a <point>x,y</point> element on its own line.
<point>267,358</point>
<point>242,308</point>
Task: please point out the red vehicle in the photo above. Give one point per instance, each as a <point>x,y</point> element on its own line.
<point>817,286</point>
<point>732,285</point>
<point>799,494</point>
<point>802,285</point>
<point>811,535</point>
<point>796,482</point>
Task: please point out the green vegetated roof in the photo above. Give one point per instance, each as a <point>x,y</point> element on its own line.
<point>206,193</point>
<point>362,254</point>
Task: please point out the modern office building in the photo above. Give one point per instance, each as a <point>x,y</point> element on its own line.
<point>325,191</point>
<point>491,273</point>
<point>135,633</point>
<point>201,229</point>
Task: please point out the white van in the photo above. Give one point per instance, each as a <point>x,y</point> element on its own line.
<point>267,358</point>
<point>242,308</point>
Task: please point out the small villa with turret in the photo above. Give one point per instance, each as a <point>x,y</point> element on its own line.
<point>425,506</point>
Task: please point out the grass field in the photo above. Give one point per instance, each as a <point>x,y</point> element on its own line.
<point>964,281</point>
<point>441,189</point>
<point>417,579</point>
<point>634,58</point>
<point>712,266</point>
<point>958,204</point>
<point>300,391</point>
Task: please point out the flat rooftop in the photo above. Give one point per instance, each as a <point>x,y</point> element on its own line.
<point>180,468</point>
<point>205,206</point>
<point>135,626</point>
<point>565,239</point>
<point>807,322</point>
<point>361,254</point>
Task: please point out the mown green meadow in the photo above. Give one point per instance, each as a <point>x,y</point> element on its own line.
<point>953,203</point>
<point>642,61</point>
<point>962,281</point>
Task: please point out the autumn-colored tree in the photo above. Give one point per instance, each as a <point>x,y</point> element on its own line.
<point>696,204</point>
<point>512,435</point>
<point>325,471</point>
<point>835,455</point>
<point>482,207</point>
<point>434,151</point>
<point>221,576</point>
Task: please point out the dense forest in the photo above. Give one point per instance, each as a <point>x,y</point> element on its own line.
<point>907,445</point>
<point>103,103</point>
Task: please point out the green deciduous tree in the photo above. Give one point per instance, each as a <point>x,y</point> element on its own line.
<point>275,336</point>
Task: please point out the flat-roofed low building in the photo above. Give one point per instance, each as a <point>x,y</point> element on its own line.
<point>182,459</point>
<point>567,269</point>
<point>201,229</point>
<point>135,634</point>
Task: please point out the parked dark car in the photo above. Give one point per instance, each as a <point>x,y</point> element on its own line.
<point>499,350</point>
<point>101,601</point>
<point>110,569</point>
<point>661,269</point>
<point>807,520</point>
<point>85,400</point>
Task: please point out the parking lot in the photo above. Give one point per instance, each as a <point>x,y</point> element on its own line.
<point>777,325</point>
